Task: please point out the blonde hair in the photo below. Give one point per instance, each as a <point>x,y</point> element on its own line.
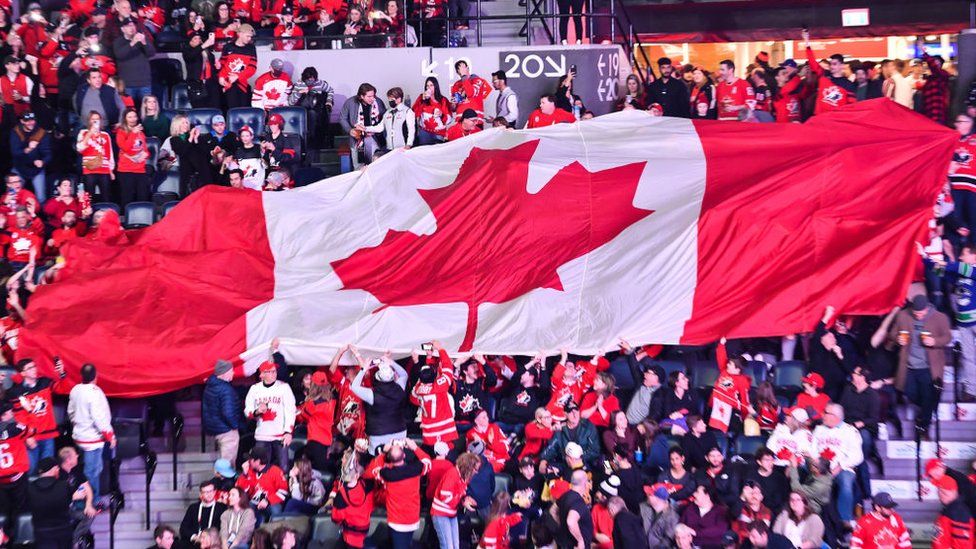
<point>142,110</point>
<point>174,125</point>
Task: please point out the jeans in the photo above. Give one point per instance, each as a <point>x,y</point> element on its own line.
<point>137,94</point>
<point>279,454</point>
<point>424,137</point>
<point>93,469</point>
<point>401,540</point>
<point>447,532</point>
<point>44,448</point>
<point>845,495</point>
<point>920,389</point>
<point>863,472</point>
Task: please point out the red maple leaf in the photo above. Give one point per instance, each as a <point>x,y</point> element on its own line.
<point>494,241</point>
<point>828,454</point>
<point>272,94</point>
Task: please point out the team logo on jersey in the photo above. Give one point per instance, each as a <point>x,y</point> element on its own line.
<point>523,398</point>
<point>236,65</point>
<point>962,156</point>
<point>833,95</point>
<point>35,406</point>
<point>469,403</point>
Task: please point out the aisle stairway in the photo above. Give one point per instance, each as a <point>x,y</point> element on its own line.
<point>167,505</point>
<point>958,450</point>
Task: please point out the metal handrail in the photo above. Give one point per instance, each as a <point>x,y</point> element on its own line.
<point>116,503</point>
<point>175,434</point>
<point>151,462</point>
<point>918,462</point>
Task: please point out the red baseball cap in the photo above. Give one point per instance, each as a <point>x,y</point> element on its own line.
<point>319,378</point>
<point>814,379</point>
<point>267,366</point>
<point>276,120</point>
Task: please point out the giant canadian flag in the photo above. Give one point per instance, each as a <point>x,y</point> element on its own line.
<point>655,230</point>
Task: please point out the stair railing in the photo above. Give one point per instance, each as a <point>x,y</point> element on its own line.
<point>918,462</point>
<point>151,461</point>
<point>116,503</point>
<point>176,433</point>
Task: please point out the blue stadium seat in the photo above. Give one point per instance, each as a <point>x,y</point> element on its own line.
<point>345,162</point>
<point>23,536</point>
<point>671,366</point>
<point>502,482</point>
<point>179,97</point>
<point>202,116</point>
<point>747,446</point>
<point>704,374</point>
<point>296,119</point>
<point>171,113</point>
<point>787,375</point>
<point>170,183</point>
<point>166,71</point>
<point>246,116</point>
<point>152,147</point>
<point>139,214</point>
<point>106,206</point>
<point>168,207</point>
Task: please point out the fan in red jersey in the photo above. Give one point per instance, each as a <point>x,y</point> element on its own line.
<point>238,63</point>
<point>432,394</point>
<point>733,95</point>
<point>470,90</point>
<point>881,528</point>
<point>14,463</point>
<point>32,398</point>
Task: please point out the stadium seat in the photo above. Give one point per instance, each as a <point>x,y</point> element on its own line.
<point>296,120</point>
<point>139,214</point>
<point>671,366</point>
<point>704,374</point>
<point>179,97</point>
<point>168,207</point>
<point>308,175</point>
<point>170,183</point>
<point>152,146</point>
<point>23,536</point>
<point>171,113</point>
<point>757,371</point>
<point>787,376</point>
<point>166,71</point>
<point>246,116</point>
<point>325,533</point>
<point>106,206</point>
<point>6,377</point>
<point>747,446</point>
<point>202,116</point>
<point>502,482</point>
<point>129,421</point>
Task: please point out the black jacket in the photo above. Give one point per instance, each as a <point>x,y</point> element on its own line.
<point>864,406</point>
<point>628,531</point>
<point>50,500</point>
<point>672,96</point>
<point>728,484</point>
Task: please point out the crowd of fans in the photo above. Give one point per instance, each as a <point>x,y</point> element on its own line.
<point>604,451</point>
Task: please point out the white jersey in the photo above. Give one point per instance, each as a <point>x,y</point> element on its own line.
<point>280,417</point>
<point>785,444</point>
<point>841,445</point>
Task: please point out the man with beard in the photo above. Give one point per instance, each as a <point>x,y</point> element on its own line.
<point>201,515</point>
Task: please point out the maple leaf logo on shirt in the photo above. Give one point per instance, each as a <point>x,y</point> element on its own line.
<point>828,454</point>
<point>272,94</point>
<point>494,241</point>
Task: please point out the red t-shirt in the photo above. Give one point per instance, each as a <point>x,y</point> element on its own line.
<point>819,402</point>
<point>539,119</point>
<point>130,144</point>
<point>730,97</point>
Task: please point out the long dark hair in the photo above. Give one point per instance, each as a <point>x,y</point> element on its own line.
<point>437,88</point>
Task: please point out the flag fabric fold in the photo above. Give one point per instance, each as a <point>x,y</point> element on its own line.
<point>657,230</point>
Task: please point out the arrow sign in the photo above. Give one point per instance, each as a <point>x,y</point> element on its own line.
<point>427,68</point>
<point>557,70</point>
<point>601,64</point>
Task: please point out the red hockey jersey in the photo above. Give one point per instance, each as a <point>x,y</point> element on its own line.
<point>876,532</point>
<point>470,93</point>
<point>269,484</point>
<point>436,404</point>
<point>449,494</point>
<point>962,169</point>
